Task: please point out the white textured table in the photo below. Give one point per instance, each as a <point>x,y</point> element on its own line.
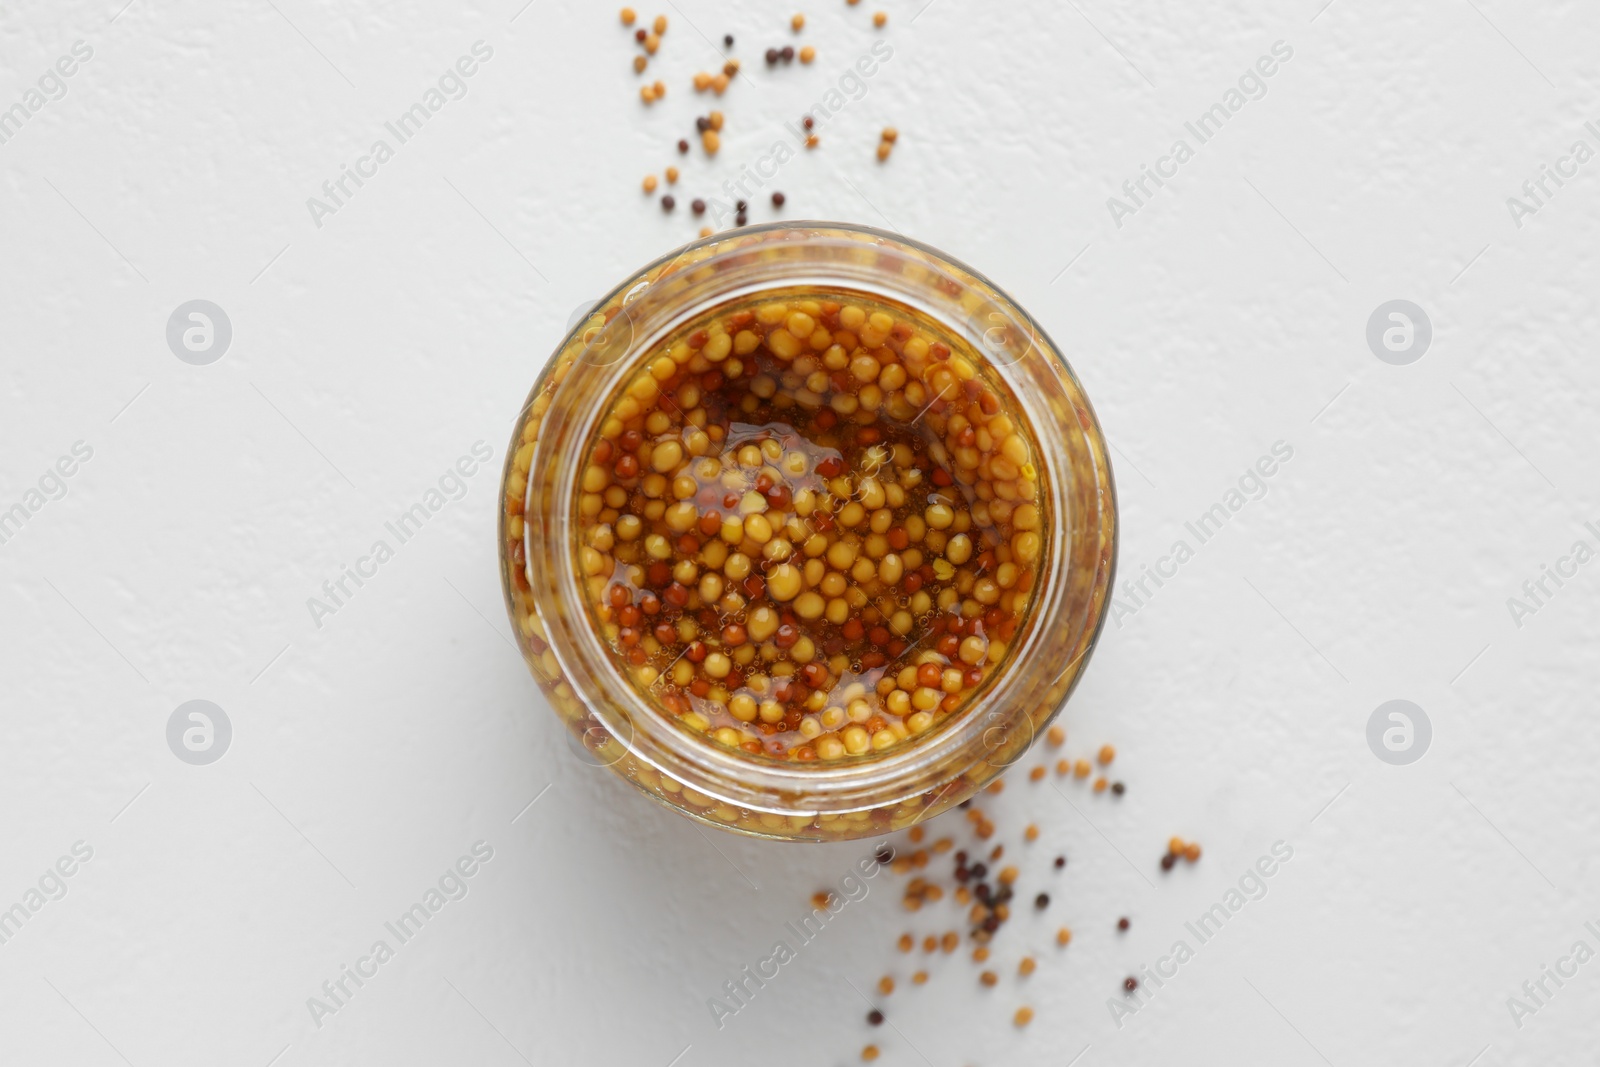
<point>200,504</point>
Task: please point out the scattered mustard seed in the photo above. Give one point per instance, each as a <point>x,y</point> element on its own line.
<point>919,978</point>
<point>807,54</point>
<point>1031,833</point>
<point>1037,774</point>
<point>1025,968</point>
<point>649,183</point>
<point>628,15</point>
<point>884,148</point>
<point>1023,1017</point>
<point>886,985</point>
<point>1107,754</point>
<point>988,978</point>
<point>798,22</point>
<point>1063,936</point>
<point>869,1053</point>
<point>1056,735</point>
<point>660,25</point>
<point>672,175</point>
<point>639,63</point>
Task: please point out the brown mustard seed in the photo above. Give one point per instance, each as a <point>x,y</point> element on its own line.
<point>874,1017</point>
<point>988,978</point>
<point>683,147</point>
<point>1042,901</point>
<point>1123,923</point>
<point>1117,789</point>
<point>628,15</point>
<point>1023,1017</point>
<point>668,202</point>
<point>1061,861</point>
<point>1130,984</point>
<point>697,206</point>
<point>1168,861</point>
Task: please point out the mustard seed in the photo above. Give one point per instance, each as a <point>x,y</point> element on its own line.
<point>660,25</point>
<point>988,978</point>
<point>798,23</point>
<point>668,202</point>
<point>628,15</point>
<point>886,985</point>
<point>649,183</point>
<point>880,19</point>
<point>1123,923</point>
<point>807,54</point>
<point>777,199</point>
<point>1130,983</point>
<point>874,1017</point>
<point>1023,1017</point>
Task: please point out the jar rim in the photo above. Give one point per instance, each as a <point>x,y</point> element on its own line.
<point>761,783</point>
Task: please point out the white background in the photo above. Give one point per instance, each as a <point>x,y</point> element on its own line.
<point>370,353</point>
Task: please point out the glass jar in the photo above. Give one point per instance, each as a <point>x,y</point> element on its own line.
<point>616,726</point>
